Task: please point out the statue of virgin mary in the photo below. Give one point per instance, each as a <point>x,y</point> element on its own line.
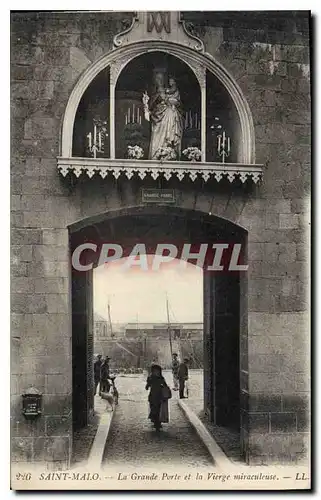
<point>164,110</point>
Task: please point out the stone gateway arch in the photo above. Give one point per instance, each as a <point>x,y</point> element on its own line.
<point>73,180</point>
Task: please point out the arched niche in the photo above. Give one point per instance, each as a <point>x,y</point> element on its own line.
<point>131,128</point>
<point>209,75</point>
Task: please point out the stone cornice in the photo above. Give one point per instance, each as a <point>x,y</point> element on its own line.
<point>180,169</point>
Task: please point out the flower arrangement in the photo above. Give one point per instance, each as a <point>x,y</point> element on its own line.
<point>167,152</point>
<point>135,152</point>
<point>192,153</point>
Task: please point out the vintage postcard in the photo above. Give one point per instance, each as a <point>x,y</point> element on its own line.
<point>160,242</point>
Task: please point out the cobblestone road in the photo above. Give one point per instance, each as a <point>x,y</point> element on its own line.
<point>132,439</point>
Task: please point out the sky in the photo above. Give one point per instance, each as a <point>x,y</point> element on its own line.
<point>137,295</point>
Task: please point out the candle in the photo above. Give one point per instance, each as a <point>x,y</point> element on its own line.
<point>219,143</point>
<point>95,135</point>
<point>89,138</point>
<point>140,120</point>
<point>126,119</point>
<point>190,119</point>
<point>186,120</point>
<point>223,142</point>
<point>128,115</point>
<point>196,120</point>
<point>133,113</point>
<point>228,145</point>
<point>99,139</point>
<point>137,115</point>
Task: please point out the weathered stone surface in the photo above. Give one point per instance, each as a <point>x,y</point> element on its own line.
<point>272,69</point>
<point>58,384</point>
<point>51,285</point>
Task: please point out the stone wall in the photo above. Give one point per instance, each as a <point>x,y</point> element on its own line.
<point>269,59</point>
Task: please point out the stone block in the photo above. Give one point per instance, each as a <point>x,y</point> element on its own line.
<point>56,55</point>
<point>303,421</point>
<point>36,219</point>
<point>21,449</point>
<point>57,404</point>
<point>295,53</point>
<point>50,253</point>
<point>293,303</point>
<point>15,384</point>
<point>21,72</point>
<point>280,448</point>
<point>255,251</point>
<point>283,422</point>
<point>22,284</point>
<point>32,90</point>
<point>54,325</point>
<point>58,384</point>
<point>15,202</point>
<point>25,236</point>
<point>20,427</point>
<point>268,363</point>
<point>293,402</point>
<point>19,323</point>
<point>49,269</point>
<point>51,285</point>
<point>302,381</point>
<point>55,237</point>
<point>57,448</point>
<point>32,361</point>
<point>40,126</point>
<point>33,202</point>
<point>16,219</point>
<point>27,303</point>
<point>258,422</point>
<point>276,383</point>
<point>58,425</point>
<point>271,221</point>
<point>57,303</point>
<point>21,253</point>
<point>264,402</point>
<point>203,202</point>
<point>31,379</point>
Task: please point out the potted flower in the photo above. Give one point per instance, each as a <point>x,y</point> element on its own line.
<point>167,152</point>
<point>192,153</point>
<point>135,152</point>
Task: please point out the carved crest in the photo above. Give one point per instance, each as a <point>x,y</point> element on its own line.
<point>159,25</point>
<point>159,20</point>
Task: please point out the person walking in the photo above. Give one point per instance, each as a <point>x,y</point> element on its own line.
<point>182,377</point>
<point>104,376</point>
<point>158,397</point>
<point>175,367</point>
<point>97,366</point>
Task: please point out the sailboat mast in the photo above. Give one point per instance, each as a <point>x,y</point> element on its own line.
<point>169,329</point>
<point>109,319</point>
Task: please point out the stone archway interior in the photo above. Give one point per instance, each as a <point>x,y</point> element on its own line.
<point>222,302</point>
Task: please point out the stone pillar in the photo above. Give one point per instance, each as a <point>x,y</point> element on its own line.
<point>208,336</point>
<point>82,348</point>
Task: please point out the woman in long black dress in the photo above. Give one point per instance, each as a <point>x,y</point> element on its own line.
<point>156,383</point>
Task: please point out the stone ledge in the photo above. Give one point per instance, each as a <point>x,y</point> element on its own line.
<point>219,458</point>
<point>98,447</point>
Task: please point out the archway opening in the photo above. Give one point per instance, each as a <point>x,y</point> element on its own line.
<point>224,303</point>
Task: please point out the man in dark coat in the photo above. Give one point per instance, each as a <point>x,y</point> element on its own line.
<point>104,376</point>
<point>182,377</point>
<point>97,366</point>
<point>175,367</point>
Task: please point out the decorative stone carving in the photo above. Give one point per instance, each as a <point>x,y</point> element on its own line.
<point>116,168</point>
<point>90,171</point>
<point>159,25</point>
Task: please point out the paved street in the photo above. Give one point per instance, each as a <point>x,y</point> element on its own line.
<point>133,440</point>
